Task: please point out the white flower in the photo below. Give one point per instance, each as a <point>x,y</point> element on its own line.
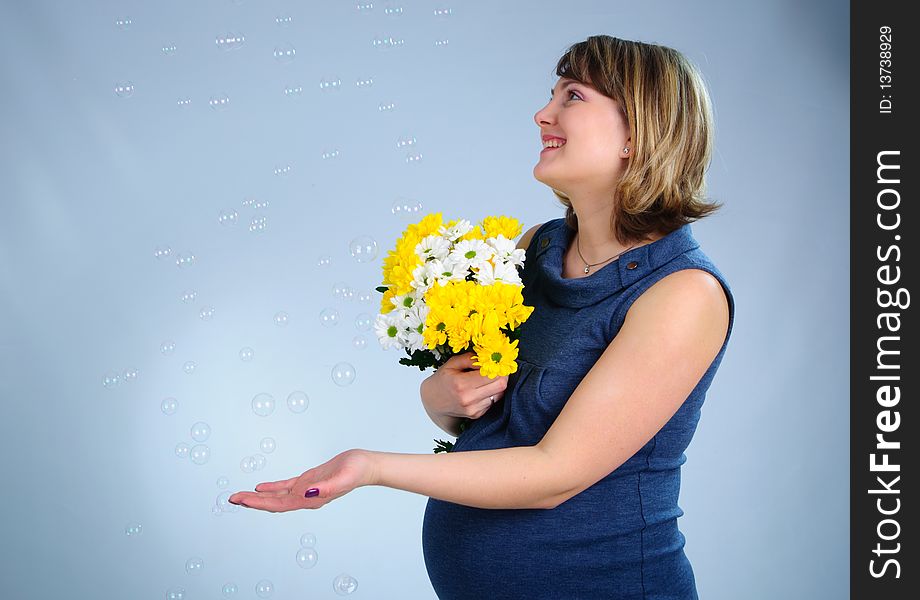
<point>433,246</point>
<point>386,326</point>
<point>507,250</point>
<point>404,301</point>
<point>505,272</point>
<point>425,275</point>
<point>442,272</point>
<point>460,229</point>
<point>471,253</point>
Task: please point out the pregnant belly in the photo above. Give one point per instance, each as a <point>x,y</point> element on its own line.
<point>496,554</point>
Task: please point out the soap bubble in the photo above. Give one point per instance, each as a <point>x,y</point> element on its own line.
<point>267,445</point>
<point>405,142</point>
<point>265,589</point>
<point>133,529</point>
<point>124,89</point>
<point>339,289</point>
<point>344,584</point>
<point>329,317</point>
<point>111,379</point>
<point>281,318</point>
<point>223,502</point>
<point>405,207</point>
<point>206,313</point>
<point>182,450</point>
<point>307,540</point>
<point>223,482</point>
<point>168,347</point>
<point>263,404</point>
<point>200,431</point>
<point>219,101</point>
<point>229,590</point>
<point>189,367</point>
<point>175,594</point>
<point>333,83</point>
<point>194,565</point>
<point>169,406</point>
<point>130,374</point>
<point>298,401</point>
<point>189,296</point>
<point>247,465</point>
<point>161,252</point>
<point>258,462</point>
<point>258,223</point>
<point>363,248</point>
<point>246,354</point>
<point>228,217</point>
<point>343,373</point>
<point>200,454</point>
<point>364,322</point>
<point>324,261</point>
<point>185,260</point>
<point>359,342</point>
<point>306,558</point>
<point>285,53</point>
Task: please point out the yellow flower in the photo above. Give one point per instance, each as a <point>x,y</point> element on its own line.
<point>496,356</point>
<point>385,304</point>
<point>507,226</point>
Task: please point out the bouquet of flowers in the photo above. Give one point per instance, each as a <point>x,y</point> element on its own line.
<point>454,288</point>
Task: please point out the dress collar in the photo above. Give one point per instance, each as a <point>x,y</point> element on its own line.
<point>610,278</point>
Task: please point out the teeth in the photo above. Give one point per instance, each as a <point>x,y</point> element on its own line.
<point>554,143</point>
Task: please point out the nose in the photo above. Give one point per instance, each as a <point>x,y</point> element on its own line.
<point>544,115</point>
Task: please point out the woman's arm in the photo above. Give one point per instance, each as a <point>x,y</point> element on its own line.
<point>517,477</point>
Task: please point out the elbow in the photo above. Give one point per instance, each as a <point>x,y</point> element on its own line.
<point>554,501</point>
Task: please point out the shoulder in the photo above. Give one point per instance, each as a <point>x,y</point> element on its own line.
<point>524,242</point>
<point>689,300</point>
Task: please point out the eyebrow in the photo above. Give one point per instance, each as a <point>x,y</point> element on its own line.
<point>552,92</point>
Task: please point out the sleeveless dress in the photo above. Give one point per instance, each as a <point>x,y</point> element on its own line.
<point>619,538</point>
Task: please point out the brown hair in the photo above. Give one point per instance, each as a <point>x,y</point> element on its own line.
<point>667,106</point>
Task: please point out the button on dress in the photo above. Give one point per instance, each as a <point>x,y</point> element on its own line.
<point>619,538</point>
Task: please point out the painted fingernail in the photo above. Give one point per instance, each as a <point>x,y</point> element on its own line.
<point>312,492</point>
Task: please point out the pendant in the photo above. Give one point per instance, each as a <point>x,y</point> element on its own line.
<point>586,269</point>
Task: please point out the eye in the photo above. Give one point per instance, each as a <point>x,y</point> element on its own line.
<point>572,93</point>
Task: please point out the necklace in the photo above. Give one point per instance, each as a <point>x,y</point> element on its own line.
<point>587,266</point>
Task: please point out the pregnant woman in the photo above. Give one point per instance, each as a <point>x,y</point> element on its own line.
<point>565,484</point>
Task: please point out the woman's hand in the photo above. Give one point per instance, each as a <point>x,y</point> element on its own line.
<point>458,389</point>
<point>349,470</point>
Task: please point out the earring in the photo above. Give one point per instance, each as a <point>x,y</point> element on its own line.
<point>625,149</point>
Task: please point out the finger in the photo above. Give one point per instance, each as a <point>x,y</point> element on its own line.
<point>273,503</point>
<point>271,486</point>
<point>245,498</point>
<point>463,361</point>
<point>487,387</point>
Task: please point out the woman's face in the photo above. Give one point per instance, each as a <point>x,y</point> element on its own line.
<point>595,132</point>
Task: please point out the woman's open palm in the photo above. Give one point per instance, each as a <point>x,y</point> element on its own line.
<point>345,472</point>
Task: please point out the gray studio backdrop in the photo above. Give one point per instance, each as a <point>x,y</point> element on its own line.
<point>176,174</point>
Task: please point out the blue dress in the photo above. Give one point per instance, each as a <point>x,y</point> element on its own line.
<point>619,538</point>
